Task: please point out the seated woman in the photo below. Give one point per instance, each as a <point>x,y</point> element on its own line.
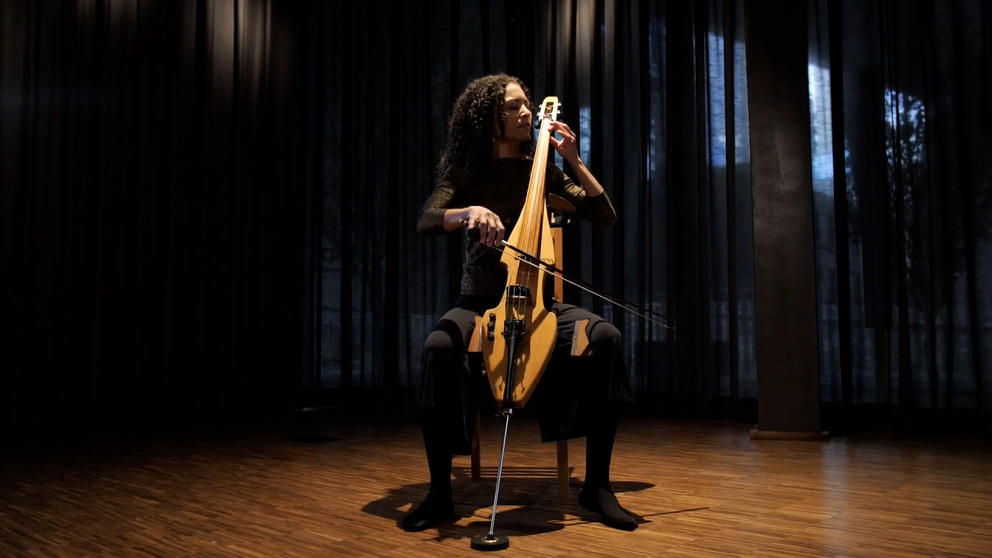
<point>482,182</point>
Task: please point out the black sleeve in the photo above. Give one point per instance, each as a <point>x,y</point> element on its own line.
<point>596,209</point>
<point>432,215</point>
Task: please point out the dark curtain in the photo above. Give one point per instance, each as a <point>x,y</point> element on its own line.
<point>656,91</point>
<point>155,163</point>
<point>900,110</point>
<point>209,206</point>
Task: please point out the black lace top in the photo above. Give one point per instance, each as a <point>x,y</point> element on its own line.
<point>502,190</point>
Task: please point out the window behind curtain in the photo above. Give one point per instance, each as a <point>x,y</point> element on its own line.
<point>915,252</point>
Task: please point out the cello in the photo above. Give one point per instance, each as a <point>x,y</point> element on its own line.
<point>517,336</point>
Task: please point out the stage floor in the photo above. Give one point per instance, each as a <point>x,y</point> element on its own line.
<point>326,485</point>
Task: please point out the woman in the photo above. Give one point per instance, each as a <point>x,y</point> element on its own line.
<point>482,182</point>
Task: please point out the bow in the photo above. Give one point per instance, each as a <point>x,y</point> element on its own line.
<point>522,256</point>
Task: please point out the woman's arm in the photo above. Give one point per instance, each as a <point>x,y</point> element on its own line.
<point>434,215</point>
<point>439,217</point>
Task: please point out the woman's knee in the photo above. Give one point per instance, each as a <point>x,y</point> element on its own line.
<point>445,340</point>
<point>438,342</point>
<point>604,334</point>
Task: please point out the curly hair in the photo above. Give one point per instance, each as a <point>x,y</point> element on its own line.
<point>469,146</point>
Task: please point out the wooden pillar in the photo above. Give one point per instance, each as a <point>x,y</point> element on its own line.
<point>781,181</point>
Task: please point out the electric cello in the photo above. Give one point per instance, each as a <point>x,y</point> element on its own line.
<point>518,335</point>
<point>516,338</point>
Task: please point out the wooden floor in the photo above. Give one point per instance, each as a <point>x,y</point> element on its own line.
<point>330,486</point>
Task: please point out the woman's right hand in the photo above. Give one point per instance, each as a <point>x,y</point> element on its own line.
<point>491,229</point>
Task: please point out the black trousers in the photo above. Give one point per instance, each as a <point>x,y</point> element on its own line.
<point>574,397</point>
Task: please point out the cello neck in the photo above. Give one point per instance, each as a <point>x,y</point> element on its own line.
<point>534,205</point>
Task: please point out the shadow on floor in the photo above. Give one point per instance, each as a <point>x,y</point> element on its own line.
<point>528,502</point>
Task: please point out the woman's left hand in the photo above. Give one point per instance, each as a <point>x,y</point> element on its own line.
<point>566,145</point>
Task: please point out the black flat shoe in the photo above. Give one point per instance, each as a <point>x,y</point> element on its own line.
<point>602,501</point>
<point>430,513</point>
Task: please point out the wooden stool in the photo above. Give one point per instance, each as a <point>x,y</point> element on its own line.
<point>562,465</point>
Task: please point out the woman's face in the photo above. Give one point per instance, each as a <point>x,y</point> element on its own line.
<point>516,113</point>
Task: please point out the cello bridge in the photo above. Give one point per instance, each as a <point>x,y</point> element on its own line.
<point>517,301</point>
<point>517,295</point>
